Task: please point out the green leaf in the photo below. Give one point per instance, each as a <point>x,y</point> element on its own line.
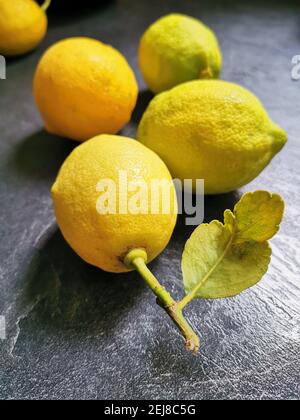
<point>222,260</point>
<point>258,215</point>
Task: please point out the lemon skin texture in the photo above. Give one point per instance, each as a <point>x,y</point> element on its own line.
<point>104,240</point>
<point>84,88</point>
<point>177,49</point>
<point>23,25</point>
<point>211,130</point>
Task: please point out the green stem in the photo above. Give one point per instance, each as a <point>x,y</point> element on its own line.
<point>138,259</point>
<point>186,300</point>
<point>46,5</point>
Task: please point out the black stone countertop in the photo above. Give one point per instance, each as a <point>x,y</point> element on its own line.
<point>76,332</point>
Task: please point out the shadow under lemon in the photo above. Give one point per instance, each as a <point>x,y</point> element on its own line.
<point>74,296</point>
<point>41,155</point>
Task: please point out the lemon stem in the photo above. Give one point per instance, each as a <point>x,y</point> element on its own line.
<point>138,259</point>
<point>46,5</point>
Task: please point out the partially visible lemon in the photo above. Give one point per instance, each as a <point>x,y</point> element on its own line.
<point>115,166</point>
<point>84,88</point>
<point>23,25</point>
<point>211,130</point>
<point>177,49</point>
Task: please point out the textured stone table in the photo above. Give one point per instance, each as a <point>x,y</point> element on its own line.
<point>76,332</point>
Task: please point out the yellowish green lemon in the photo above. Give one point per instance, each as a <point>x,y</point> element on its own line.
<point>177,49</point>
<point>101,238</point>
<point>84,88</point>
<point>211,130</point>
<point>23,25</point>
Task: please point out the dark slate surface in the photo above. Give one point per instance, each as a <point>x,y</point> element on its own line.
<point>76,332</point>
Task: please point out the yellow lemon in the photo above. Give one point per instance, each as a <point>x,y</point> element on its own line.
<point>84,88</point>
<point>177,49</point>
<point>107,202</point>
<point>23,25</point>
<point>211,130</point>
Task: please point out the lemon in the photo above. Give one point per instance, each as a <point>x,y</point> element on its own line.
<point>211,130</point>
<point>84,88</point>
<point>177,49</point>
<point>23,25</point>
<point>101,238</point>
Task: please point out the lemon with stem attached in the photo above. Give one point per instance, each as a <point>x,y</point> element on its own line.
<point>122,173</point>
<point>23,25</point>
<point>119,172</point>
